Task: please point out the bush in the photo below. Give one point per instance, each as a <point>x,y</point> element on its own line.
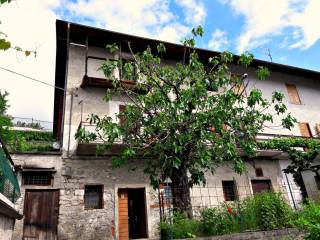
<point>266,211</point>
<point>181,227</point>
<point>309,219</point>
<point>220,220</point>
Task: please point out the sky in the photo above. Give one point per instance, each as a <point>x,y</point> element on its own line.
<point>287,29</point>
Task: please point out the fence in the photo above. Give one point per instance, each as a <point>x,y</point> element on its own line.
<point>9,186</point>
<point>228,197</point>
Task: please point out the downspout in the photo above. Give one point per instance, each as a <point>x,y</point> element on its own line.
<point>70,118</point>
<point>65,86</point>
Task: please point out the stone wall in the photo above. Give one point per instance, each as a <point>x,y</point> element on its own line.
<point>280,234</point>
<point>75,222</point>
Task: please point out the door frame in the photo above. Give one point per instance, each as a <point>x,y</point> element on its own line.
<point>147,204</point>
<point>40,190</point>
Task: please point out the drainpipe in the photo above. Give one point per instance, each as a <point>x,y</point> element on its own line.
<point>65,87</point>
<point>70,118</point>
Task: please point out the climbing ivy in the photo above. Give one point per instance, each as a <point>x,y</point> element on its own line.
<point>302,153</point>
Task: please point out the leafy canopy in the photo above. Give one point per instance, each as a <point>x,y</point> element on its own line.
<point>194,115</point>
<point>5,119</point>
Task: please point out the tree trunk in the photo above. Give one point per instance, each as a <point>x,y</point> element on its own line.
<point>181,199</point>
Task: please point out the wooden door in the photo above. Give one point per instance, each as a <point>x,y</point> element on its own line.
<point>259,186</point>
<point>123,214</point>
<point>41,215</point>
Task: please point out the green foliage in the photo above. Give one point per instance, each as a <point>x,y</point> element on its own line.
<point>219,221</point>
<point>34,125</point>
<point>4,1</point>
<point>29,141</point>
<point>4,44</point>
<point>302,153</point>
<point>266,211</point>
<point>5,120</point>
<point>309,220</point>
<point>181,227</point>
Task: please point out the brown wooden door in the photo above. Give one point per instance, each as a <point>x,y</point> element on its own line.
<point>41,215</point>
<point>259,186</point>
<point>123,214</point>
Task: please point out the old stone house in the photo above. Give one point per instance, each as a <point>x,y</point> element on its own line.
<point>74,194</point>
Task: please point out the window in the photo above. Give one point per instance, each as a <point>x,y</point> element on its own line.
<point>293,94</point>
<point>305,129</point>
<point>37,178</point>
<point>259,172</point>
<point>93,196</point>
<point>228,190</point>
<point>259,186</point>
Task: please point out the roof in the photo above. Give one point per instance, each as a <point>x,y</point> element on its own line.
<point>78,31</point>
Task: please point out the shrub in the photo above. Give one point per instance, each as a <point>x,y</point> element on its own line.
<point>266,211</point>
<point>181,227</point>
<point>220,220</point>
<point>309,219</point>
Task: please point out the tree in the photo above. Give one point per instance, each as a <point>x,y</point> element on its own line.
<point>301,151</point>
<point>5,119</point>
<point>187,119</point>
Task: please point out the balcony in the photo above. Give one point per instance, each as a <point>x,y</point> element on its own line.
<point>90,149</point>
<point>94,77</point>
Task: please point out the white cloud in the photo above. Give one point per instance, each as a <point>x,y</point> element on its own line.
<point>268,18</point>
<point>29,24</point>
<point>194,11</point>
<point>152,18</point>
<point>218,40</point>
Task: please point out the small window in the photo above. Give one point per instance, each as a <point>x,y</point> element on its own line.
<point>37,178</point>
<point>228,190</point>
<point>293,94</point>
<point>259,172</point>
<point>93,196</point>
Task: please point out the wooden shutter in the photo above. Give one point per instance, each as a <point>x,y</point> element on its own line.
<point>293,94</point>
<point>122,108</point>
<point>318,129</point>
<point>240,89</point>
<point>305,129</point>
